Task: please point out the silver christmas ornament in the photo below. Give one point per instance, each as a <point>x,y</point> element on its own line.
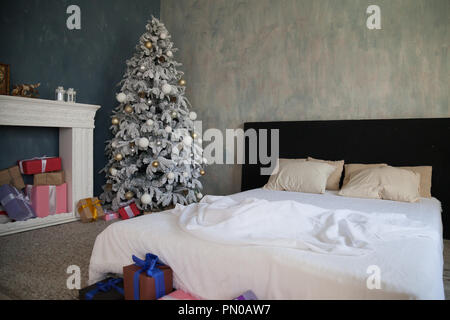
<point>166,88</point>
<point>187,140</point>
<point>121,97</point>
<point>146,199</point>
<point>143,142</point>
<point>192,115</point>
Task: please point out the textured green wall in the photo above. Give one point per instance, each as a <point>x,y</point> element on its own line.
<point>264,60</point>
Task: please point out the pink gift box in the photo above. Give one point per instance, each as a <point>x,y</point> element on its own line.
<point>110,215</point>
<point>178,295</point>
<point>48,200</point>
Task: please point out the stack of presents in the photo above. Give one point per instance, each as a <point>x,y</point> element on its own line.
<point>46,196</point>
<point>146,279</point>
<point>90,210</point>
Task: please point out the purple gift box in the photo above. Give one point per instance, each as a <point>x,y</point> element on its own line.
<point>15,203</point>
<point>247,295</point>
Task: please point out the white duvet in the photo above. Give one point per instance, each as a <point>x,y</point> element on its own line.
<point>285,245</point>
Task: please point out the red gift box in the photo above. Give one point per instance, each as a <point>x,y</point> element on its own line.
<point>129,211</point>
<point>40,165</point>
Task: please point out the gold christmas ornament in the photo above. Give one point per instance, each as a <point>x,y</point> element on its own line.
<point>112,171</point>
<point>155,164</point>
<point>118,157</point>
<point>182,82</point>
<point>128,109</point>
<point>148,44</point>
<point>129,195</point>
<point>115,121</point>
<point>194,135</point>
<point>202,172</point>
<point>174,114</point>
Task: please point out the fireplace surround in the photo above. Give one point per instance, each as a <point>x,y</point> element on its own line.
<point>76,128</point>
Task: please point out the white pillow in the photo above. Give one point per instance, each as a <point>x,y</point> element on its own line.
<point>301,176</point>
<point>280,164</point>
<point>387,183</point>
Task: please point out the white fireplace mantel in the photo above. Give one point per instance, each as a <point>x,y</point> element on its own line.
<point>76,129</point>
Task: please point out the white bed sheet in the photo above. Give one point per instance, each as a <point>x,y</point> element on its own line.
<point>409,268</point>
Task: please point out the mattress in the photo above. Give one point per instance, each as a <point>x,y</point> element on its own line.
<point>408,268</point>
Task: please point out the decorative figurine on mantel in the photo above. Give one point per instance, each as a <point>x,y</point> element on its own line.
<point>59,94</point>
<point>26,90</point>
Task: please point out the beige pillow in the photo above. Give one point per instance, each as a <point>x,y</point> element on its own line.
<point>335,177</point>
<point>280,164</point>
<point>425,179</point>
<point>353,168</point>
<point>385,182</point>
<point>302,176</point>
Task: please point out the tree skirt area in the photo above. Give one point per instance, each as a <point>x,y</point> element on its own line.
<point>33,264</point>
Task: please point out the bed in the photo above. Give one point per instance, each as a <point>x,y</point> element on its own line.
<point>409,268</point>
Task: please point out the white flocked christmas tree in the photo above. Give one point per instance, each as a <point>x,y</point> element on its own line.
<point>155,155</point>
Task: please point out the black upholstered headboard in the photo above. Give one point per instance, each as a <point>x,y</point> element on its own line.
<point>397,142</point>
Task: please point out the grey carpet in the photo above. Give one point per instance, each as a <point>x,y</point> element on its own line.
<point>33,264</point>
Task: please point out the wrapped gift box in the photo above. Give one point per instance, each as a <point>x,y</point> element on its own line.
<point>129,211</point>
<point>110,215</point>
<point>247,295</point>
<point>48,200</point>
<point>108,289</point>
<point>52,178</point>
<point>147,279</point>
<point>179,295</point>
<point>39,165</point>
<point>13,177</point>
<point>90,209</point>
<point>15,203</point>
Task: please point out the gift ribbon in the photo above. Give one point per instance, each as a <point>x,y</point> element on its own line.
<point>149,266</point>
<point>105,287</point>
<point>43,163</point>
<point>129,211</point>
<point>11,196</point>
<point>51,197</point>
<point>92,205</point>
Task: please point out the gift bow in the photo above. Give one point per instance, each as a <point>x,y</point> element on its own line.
<point>149,266</point>
<point>105,287</point>
<point>18,196</point>
<point>92,205</point>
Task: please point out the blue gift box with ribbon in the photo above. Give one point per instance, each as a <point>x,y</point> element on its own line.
<point>15,203</point>
<point>108,289</point>
<point>147,279</point>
